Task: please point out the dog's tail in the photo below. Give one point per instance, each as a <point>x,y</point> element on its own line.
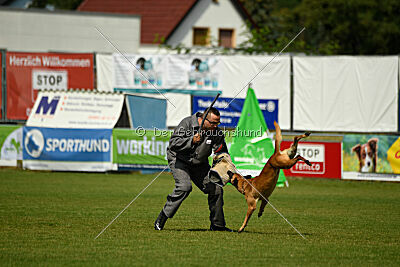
<point>278,137</point>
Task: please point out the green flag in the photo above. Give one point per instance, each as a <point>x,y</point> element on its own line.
<point>251,146</point>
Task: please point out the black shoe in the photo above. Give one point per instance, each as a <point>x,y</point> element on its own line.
<point>219,228</point>
<point>160,222</point>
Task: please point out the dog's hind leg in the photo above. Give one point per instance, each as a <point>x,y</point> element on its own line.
<point>278,137</point>
<point>263,204</point>
<point>252,205</point>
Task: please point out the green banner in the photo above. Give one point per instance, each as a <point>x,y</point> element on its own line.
<point>251,146</point>
<point>140,148</point>
<point>10,145</point>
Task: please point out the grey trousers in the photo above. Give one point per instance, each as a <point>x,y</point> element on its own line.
<point>184,174</point>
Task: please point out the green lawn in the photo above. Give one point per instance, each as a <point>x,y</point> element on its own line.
<point>51,218</point>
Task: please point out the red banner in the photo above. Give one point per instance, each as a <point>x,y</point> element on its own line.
<point>27,73</point>
<point>325,157</point>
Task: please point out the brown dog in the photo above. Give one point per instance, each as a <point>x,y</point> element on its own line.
<point>265,182</point>
<point>367,155</point>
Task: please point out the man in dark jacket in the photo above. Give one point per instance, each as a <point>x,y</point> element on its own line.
<point>187,154</point>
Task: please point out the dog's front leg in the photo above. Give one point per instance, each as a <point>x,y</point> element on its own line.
<point>252,205</point>
<point>293,148</point>
<point>298,157</point>
<point>287,163</point>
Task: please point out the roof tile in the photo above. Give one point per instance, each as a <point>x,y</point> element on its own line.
<point>158,16</point>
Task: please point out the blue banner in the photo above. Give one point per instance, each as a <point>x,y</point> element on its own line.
<point>157,118</point>
<point>231,111</point>
<point>77,145</point>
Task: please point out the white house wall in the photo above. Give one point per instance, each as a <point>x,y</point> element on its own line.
<point>208,14</point>
<point>42,31</point>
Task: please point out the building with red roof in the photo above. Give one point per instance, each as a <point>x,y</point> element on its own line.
<point>186,22</point>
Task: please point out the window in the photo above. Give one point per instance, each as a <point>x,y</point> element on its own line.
<point>200,36</point>
<point>226,38</point>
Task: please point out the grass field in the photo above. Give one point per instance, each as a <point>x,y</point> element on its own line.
<point>52,218</point>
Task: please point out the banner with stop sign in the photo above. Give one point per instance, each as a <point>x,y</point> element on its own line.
<point>325,158</point>
<point>28,73</point>
<point>49,80</point>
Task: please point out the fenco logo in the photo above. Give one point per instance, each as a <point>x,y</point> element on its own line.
<point>34,143</point>
<point>45,106</point>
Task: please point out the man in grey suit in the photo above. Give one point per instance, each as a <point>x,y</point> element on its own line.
<point>187,154</point>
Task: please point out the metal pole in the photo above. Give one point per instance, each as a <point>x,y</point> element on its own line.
<point>3,86</point>
<point>208,110</point>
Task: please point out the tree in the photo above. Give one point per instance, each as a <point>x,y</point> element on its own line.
<point>354,27</point>
<point>59,4</point>
<point>332,26</point>
<point>273,29</point>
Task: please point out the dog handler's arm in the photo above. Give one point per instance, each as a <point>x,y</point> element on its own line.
<point>182,138</point>
<point>220,145</point>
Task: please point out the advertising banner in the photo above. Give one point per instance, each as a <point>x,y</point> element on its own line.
<point>67,149</point>
<point>137,106</point>
<point>166,73</point>
<point>325,157</point>
<point>140,149</point>
<point>11,145</point>
<point>371,157</point>
<point>1,85</point>
<point>251,147</point>
<point>231,109</point>
<point>29,72</point>
<point>75,109</point>
<point>145,148</point>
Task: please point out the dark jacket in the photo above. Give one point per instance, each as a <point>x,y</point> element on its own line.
<point>181,147</point>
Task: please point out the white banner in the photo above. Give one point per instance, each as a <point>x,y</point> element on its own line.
<point>363,176</point>
<point>104,73</point>
<point>178,105</point>
<point>201,75</point>
<point>69,166</point>
<point>143,73</point>
<point>346,93</point>
<point>74,109</point>
<point>269,81</point>
<point>166,73</point>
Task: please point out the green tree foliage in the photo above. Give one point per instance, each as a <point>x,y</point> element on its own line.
<point>354,27</point>
<point>59,4</point>
<point>271,34</point>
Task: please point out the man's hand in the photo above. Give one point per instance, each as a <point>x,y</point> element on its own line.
<point>196,138</point>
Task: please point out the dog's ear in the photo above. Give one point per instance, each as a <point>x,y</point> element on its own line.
<point>357,150</point>
<point>230,174</point>
<point>373,143</point>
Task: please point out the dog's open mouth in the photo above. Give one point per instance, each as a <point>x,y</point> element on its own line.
<point>222,164</point>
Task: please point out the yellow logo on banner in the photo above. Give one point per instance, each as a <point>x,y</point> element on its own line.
<point>393,156</point>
